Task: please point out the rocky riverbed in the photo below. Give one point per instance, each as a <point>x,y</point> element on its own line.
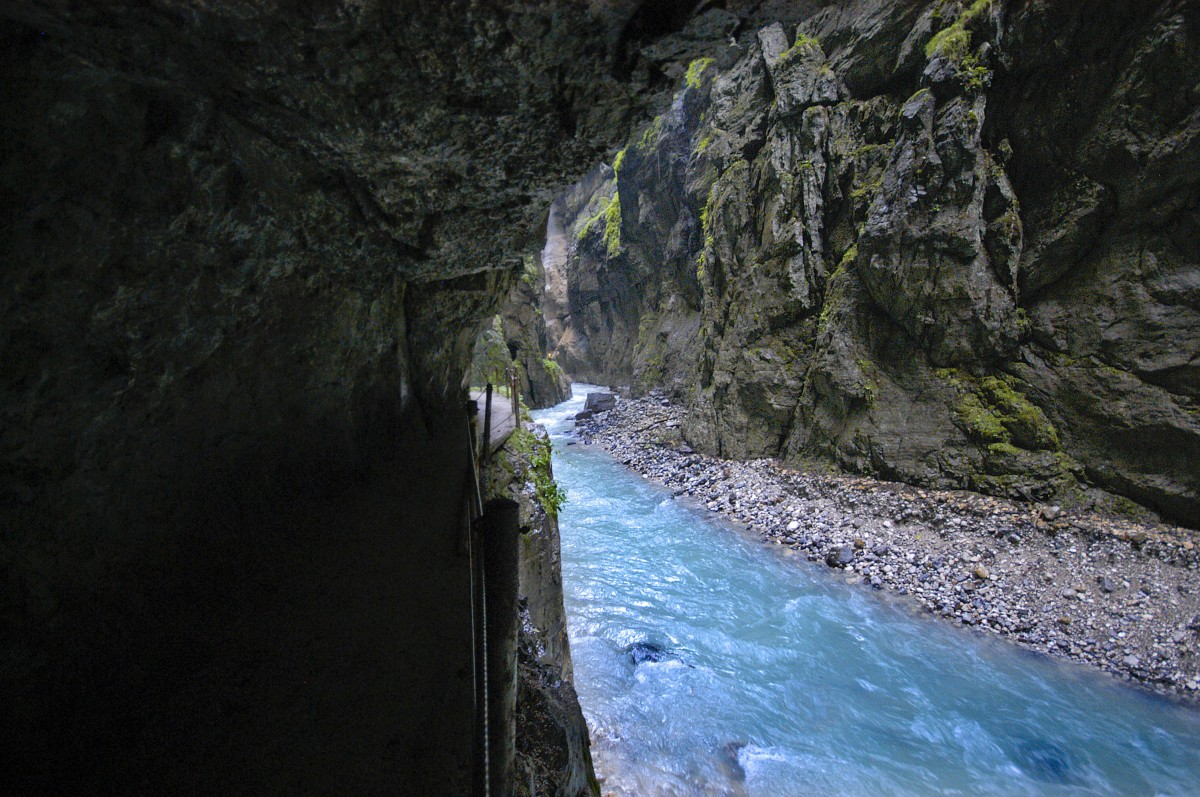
<point>1116,594</point>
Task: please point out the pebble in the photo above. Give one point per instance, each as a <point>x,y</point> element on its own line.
<point>931,545</point>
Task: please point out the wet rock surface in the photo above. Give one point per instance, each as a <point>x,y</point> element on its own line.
<point>1115,594</point>
<point>923,241</point>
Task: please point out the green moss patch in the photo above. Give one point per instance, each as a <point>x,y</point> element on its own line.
<point>954,40</point>
<point>993,412</point>
<point>532,464</point>
<point>612,226</point>
<point>695,72</point>
<point>618,161</point>
<point>804,43</point>
<point>954,43</point>
<point>1024,420</point>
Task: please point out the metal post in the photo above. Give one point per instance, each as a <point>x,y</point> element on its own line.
<point>514,389</point>
<point>486,451</point>
<point>501,530</point>
<point>485,771</point>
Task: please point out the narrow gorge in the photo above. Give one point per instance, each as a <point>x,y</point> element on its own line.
<point>257,256</point>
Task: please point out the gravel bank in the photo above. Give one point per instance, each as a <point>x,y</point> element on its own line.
<point>1114,594</point>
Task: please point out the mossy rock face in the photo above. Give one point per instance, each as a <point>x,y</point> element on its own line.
<point>980,422</point>
<point>994,413</point>
<point>848,190</point>
<point>553,748</point>
<point>1022,419</point>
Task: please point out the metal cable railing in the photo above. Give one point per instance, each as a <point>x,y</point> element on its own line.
<point>482,770</point>
<point>493,548</point>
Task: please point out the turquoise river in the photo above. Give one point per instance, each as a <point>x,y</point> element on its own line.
<point>708,663</point>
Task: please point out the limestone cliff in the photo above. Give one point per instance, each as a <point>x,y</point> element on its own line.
<point>950,243</point>
<point>543,381</point>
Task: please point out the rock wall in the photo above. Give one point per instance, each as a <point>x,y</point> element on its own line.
<point>553,756</point>
<point>543,381</point>
<point>246,247</point>
<point>949,243</point>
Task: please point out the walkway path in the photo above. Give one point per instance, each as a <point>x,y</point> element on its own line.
<point>503,424</point>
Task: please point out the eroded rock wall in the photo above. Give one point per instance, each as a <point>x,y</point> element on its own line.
<point>950,243</point>
<point>543,381</point>
<point>553,755</point>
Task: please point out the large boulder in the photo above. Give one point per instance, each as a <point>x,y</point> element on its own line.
<point>599,402</point>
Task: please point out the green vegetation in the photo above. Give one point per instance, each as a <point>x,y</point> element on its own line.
<point>974,75</point>
<point>617,161</point>
<point>954,43</point>
<point>612,227</point>
<point>706,229</point>
<point>1004,450</point>
<point>848,257</point>
<point>835,288</point>
<point>552,368</point>
<point>954,40</point>
<point>868,150</point>
<point>870,386</point>
<point>695,71</point>
<point>804,43</point>
<point>529,273</point>
<point>534,454</point>
<point>649,136</point>
<point>1026,421</point>
<point>993,412</point>
<point>608,214</point>
<point>585,229</point>
<point>980,422</point>
<point>549,494</point>
<point>705,213</point>
<point>865,191</point>
<point>1024,324</point>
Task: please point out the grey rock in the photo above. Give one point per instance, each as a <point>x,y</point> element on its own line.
<point>600,402</point>
<point>840,557</point>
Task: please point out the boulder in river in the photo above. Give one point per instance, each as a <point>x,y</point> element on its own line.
<point>1045,761</point>
<point>640,652</point>
<point>600,402</point>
